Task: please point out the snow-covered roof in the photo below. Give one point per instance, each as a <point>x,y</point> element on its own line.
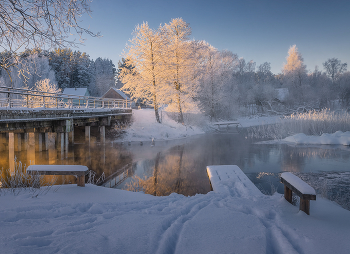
<point>120,92</point>
<point>76,91</point>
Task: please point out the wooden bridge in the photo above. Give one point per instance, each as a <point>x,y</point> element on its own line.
<point>33,116</point>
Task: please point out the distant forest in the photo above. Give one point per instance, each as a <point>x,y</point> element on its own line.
<point>63,67</point>
<point>219,84</point>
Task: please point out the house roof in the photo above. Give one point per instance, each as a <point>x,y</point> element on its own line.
<point>76,91</point>
<point>120,92</point>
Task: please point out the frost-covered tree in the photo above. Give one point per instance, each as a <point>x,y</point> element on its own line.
<point>295,74</point>
<point>216,92</point>
<point>39,23</point>
<point>144,80</point>
<point>72,68</point>
<point>104,75</point>
<point>334,67</point>
<point>40,88</point>
<point>181,62</point>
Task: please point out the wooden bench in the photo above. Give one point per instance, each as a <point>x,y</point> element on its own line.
<point>294,184</point>
<point>78,170</point>
<point>227,124</point>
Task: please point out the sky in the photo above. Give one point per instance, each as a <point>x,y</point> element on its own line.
<point>258,30</point>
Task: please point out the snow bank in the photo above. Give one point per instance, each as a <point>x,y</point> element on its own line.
<point>337,138</point>
<point>71,219</point>
<point>146,128</point>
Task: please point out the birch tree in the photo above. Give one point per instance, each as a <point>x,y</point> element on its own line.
<point>144,54</point>
<point>180,61</point>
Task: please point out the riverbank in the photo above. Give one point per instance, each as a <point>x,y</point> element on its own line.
<point>71,219</point>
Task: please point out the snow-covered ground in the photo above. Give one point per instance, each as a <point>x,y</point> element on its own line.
<point>337,138</point>
<point>258,120</point>
<point>146,128</point>
<point>92,219</point>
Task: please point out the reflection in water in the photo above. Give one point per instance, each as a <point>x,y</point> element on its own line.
<point>180,165</point>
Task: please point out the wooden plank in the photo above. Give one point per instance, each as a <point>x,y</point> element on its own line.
<point>288,194</point>
<point>296,191</point>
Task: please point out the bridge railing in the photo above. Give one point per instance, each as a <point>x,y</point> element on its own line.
<point>26,98</point>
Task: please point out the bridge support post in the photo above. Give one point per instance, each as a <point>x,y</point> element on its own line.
<point>31,148</point>
<point>102,134</point>
<point>66,141</point>
<point>18,142</point>
<point>46,137</point>
<point>87,134</point>
<point>51,148</point>
<point>12,153</point>
<point>39,142</point>
<point>2,141</point>
<point>71,137</point>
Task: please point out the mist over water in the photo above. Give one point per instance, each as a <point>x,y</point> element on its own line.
<point>164,167</point>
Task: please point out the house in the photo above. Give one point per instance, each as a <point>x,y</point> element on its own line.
<point>83,91</point>
<point>114,93</point>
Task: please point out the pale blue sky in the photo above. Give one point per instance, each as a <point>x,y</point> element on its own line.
<point>259,30</point>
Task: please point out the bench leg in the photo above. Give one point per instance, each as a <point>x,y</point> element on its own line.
<point>305,206</point>
<point>288,194</point>
<point>81,181</point>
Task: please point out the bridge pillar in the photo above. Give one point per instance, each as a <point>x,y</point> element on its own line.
<point>31,148</point>
<point>66,141</point>
<point>46,140</point>
<point>2,141</point>
<point>38,142</point>
<point>87,133</point>
<point>102,134</point>
<point>71,137</point>
<point>12,153</point>
<point>18,142</point>
<point>51,148</point>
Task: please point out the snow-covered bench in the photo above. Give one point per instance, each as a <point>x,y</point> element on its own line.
<point>294,184</point>
<point>226,123</point>
<point>78,170</point>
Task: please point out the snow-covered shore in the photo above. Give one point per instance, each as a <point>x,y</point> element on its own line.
<point>337,138</point>
<point>145,128</point>
<point>71,219</point>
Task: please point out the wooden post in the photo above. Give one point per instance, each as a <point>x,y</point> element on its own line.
<point>81,180</point>
<point>71,136</point>
<point>31,148</point>
<point>39,142</point>
<point>102,134</point>
<point>46,141</point>
<point>305,206</point>
<point>287,194</point>
<point>87,134</point>
<point>66,141</point>
<point>12,153</point>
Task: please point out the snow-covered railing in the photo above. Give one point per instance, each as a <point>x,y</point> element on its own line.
<point>26,98</point>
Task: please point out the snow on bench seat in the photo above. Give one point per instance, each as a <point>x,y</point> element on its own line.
<point>230,180</point>
<point>78,170</point>
<point>292,183</point>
